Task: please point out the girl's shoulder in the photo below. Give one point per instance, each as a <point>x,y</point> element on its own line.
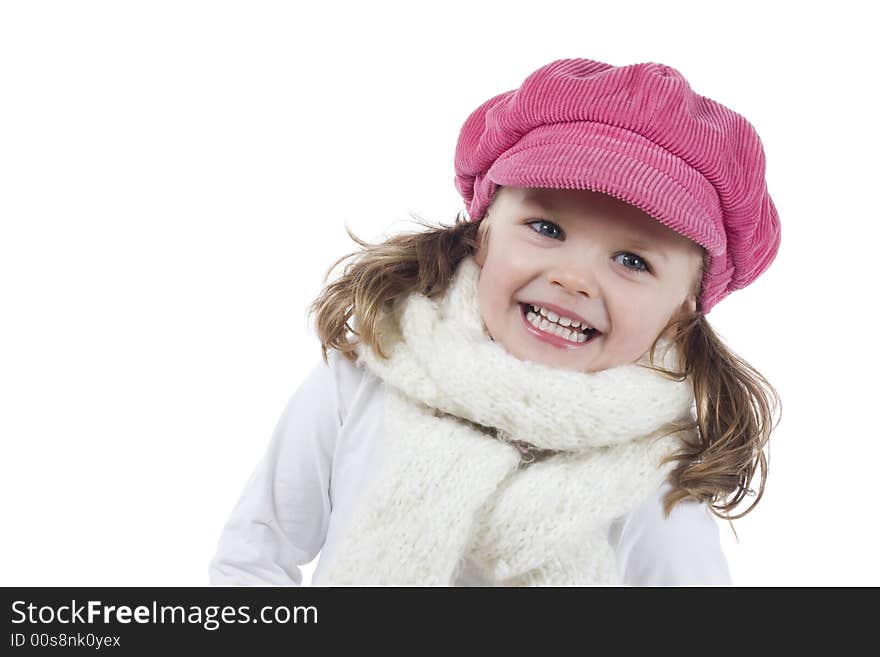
<point>683,549</point>
<point>344,380</point>
<point>326,397</point>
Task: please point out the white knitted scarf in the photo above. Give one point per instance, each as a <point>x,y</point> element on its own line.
<point>454,484</point>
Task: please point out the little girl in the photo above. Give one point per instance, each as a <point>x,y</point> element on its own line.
<point>497,415</point>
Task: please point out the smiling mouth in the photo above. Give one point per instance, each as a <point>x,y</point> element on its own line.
<point>573,337</point>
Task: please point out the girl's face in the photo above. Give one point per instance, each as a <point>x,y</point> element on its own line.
<point>590,256</point>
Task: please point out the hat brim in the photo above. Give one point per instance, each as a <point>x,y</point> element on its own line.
<point>617,162</point>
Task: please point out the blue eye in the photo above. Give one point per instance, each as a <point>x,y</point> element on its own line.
<point>542,222</point>
<point>639,270</point>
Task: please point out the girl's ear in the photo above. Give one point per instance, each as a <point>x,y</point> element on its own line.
<point>480,256</point>
<point>483,241</point>
<point>688,306</point>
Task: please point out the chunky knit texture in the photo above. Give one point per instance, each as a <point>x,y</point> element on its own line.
<point>640,134</point>
<point>452,485</point>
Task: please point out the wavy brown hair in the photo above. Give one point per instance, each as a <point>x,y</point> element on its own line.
<point>733,410</point>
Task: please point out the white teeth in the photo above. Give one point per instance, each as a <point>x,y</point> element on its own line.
<point>545,325</point>
<point>565,321</point>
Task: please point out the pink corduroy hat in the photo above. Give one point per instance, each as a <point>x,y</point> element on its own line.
<point>640,134</point>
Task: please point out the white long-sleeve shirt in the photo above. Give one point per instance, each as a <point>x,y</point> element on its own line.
<point>323,452</point>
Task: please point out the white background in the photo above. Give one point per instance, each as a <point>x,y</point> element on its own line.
<point>175,179</point>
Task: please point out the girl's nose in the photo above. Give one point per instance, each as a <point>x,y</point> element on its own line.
<point>574,279</point>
